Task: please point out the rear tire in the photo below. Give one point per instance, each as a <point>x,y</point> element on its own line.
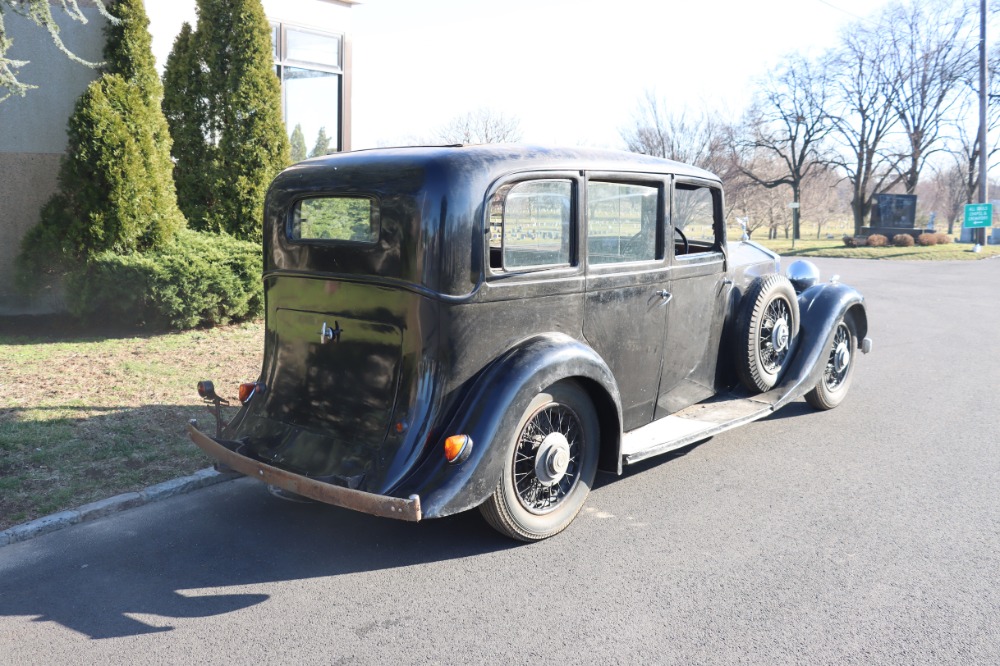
<point>550,465</point>
<point>833,386</point>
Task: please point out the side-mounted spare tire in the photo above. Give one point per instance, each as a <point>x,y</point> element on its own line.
<point>766,330</point>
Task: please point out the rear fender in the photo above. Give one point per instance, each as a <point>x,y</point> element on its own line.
<point>489,412</point>
<point>820,309</point>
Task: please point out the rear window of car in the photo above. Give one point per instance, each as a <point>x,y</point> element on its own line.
<point>332,219</point>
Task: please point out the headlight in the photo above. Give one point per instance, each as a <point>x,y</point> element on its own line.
<point>802,274</point>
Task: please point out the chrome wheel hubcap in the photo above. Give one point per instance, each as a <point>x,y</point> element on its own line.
<point>552,459</point>
<point>779,336</point>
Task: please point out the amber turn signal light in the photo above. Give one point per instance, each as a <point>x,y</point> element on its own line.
<point>249,390</point>
<point>457,448</point>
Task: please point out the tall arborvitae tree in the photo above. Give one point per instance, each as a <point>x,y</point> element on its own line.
<point>186,108</point>
<point>298,141</point>
<point>322,146</point>
<point>116,190</point>
<point>245,143</point>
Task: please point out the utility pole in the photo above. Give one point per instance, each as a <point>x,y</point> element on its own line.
<point>981,233</point>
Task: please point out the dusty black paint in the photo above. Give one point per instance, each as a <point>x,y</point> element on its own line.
<point>432,342</point>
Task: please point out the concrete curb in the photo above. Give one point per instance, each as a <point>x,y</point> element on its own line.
<point>57,521</point>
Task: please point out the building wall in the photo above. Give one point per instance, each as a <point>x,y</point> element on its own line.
<point>33,128</point>
<point>33,132</point>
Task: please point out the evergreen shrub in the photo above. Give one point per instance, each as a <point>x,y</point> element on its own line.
<point>877,240</point>
<point>943,238</point>
<point>198,279</point>
<point>902,240</point>
<point>927,239</point>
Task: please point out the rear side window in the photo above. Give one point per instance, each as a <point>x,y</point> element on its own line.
<point>621,222</point>
<point>530,225</point>
<point>348,219</point>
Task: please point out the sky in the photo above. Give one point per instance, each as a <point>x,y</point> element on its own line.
<point>571,71</point>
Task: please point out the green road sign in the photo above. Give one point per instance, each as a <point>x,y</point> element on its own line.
<point>978,216</point>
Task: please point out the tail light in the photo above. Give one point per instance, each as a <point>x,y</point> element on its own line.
<point>249,390</point>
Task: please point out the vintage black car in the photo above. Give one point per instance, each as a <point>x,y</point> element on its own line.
<point>488,326</point>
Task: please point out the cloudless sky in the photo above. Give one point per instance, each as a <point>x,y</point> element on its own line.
<point>571,71</point>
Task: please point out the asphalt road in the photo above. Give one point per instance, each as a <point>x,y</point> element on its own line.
<point>869,534</point>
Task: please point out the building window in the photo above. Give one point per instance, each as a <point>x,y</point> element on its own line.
<point>310,67</point>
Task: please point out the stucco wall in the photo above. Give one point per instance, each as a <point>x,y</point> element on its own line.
<point>27,182</point>
<point>33,128</point>
<point>33,133</point>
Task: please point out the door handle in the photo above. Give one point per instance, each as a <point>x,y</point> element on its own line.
<point>665,295</point>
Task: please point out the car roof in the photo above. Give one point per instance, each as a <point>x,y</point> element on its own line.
<point>507,157</point>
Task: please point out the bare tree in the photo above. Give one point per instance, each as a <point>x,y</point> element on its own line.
<point>698,139</point>
<point>481,126</point>
<point>963,142</point>
<point>787,126</point>
<point>862,111</point>
<point>932,54</point>
<point>758,207</point>
<point>821,199</point>
<point>40,13</point>
<point>949,192</point>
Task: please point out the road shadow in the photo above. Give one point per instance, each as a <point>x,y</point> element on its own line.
<point>96,577</point>
<point>791,411</point>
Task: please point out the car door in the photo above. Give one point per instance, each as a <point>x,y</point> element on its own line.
<point>627,281</point>
<point>699,291</point>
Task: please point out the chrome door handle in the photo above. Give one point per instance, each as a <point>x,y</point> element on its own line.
<point>665,295</point>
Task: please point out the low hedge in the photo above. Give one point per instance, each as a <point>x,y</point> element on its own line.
<point>902,240</point>
<point>198,279</point>
<point>927,239</point>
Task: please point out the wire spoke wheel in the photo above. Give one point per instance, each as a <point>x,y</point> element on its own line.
<point>547,458</point>
<point>774,334</point>
<point>832,387</point>
<point>767,327</point>
<point>839,363</point>
<point>550,465</point>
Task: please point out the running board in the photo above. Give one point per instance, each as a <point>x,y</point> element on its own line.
<point>696,423</point>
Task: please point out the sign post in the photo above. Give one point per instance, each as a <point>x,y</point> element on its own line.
<point>795,226</point>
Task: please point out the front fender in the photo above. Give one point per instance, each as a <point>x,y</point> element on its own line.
<point>491,406</point>
<point>820,308</point>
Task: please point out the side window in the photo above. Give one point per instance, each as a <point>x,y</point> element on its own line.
<point>694,214</point>
<point>621,222</point>
<point>530,225</point>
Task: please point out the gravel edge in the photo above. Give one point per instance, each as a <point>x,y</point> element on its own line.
<point>57,521</point>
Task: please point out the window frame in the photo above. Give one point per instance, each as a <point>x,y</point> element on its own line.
<point>664,194</point>
<point>718,220</point>
<point>575,264</point>
<point>281,61</point>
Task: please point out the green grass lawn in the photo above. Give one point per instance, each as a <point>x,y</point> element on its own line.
<point>84,418</point>
<point>836,248</point>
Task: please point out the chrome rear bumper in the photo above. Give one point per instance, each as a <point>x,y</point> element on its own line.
<point>358,500</point>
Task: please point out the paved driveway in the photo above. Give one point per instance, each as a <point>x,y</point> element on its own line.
<point>868,534</point>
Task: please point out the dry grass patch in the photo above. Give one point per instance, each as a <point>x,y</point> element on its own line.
<point>86,418</point>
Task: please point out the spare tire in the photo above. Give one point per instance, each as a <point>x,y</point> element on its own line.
<point>766,330</point>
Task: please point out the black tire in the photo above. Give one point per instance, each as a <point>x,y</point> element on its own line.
<point>546,477</point>
<point>832,388</point>
<point>766,330</point>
